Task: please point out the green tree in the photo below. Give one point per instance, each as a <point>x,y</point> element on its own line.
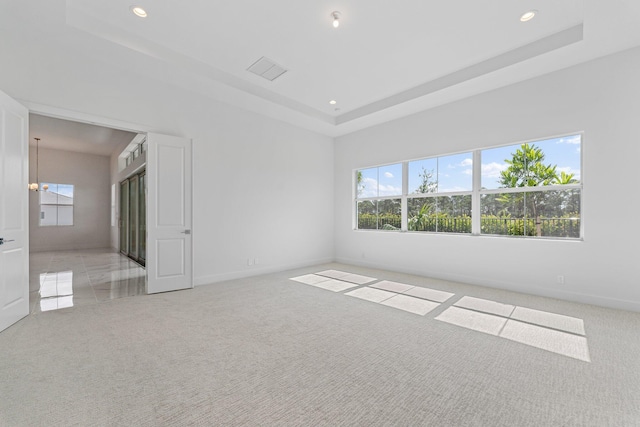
<point>359,183</point>
<point>526,169</point>
<point>428,184</point>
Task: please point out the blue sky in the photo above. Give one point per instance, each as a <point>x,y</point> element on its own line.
<point>454,172</point>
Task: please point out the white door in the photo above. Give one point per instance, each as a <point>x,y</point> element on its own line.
<point>168,213</point>
<point>14,211</point>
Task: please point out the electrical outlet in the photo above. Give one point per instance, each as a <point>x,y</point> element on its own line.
<point>255,261</point>
<point>249,261</point>
<point>560,280</point>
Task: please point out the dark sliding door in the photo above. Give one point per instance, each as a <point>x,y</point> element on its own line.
<point>133,230</point>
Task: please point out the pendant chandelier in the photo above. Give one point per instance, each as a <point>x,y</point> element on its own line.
<point>35,186</point>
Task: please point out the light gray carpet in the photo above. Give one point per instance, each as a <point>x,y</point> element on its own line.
<point>269,351</point>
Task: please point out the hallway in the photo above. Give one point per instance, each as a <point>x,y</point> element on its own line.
<point>64,279</point>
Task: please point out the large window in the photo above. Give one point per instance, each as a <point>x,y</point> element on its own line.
<point>532,189</point>
<point>56,204</point>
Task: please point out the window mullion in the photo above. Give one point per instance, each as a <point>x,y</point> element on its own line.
<point>475,195</point>
<point>404,204</point>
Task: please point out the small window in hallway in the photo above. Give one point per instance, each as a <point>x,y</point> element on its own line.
<point>56,204</point>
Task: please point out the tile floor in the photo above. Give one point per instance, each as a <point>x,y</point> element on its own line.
<point>64,279</point>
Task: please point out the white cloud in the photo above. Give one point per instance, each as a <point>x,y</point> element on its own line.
<point>390,190</point>
<point>388,174</point>
<point>467,171</point>
<point>371,188</point>
<point>575,139</point>
<point>464,163</point>
<point>492,170</point>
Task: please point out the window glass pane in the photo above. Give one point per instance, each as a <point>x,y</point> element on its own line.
<point>494,161</point>
<point>367,182</point>
<point>48,215</point>
<point>454,214</point>
<point>564,154</point>
<point>124,216</point>
<point>65,215</point>
<point>143,219</point>
<point>389,217</point>
<point>49,196</point>
<point>421,214</point>
<point>423,176</point>
<point>503,214</point>
<point>554,213</point>
<point>550,162</point>
<point>133,216</point>
<point>536,214</point>
<point>65,194</point>
<point>444,214</point>
<point>390,180</point>
<point>455,173</point>
<point>367,215</point>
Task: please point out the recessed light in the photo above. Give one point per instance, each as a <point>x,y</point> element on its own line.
<point>528,16</point>
<point>333,102</point>
<point>138,11</point>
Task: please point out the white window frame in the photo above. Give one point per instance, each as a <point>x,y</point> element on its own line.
<point>476,193</point>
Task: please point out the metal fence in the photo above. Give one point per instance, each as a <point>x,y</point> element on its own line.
<point>550,227</point>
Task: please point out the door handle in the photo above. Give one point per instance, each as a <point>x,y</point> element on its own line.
<point>2,241</point>
<point>186,232</point>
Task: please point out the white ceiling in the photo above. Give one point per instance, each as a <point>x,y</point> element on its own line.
<point>386,60</point>
<point>73,136</point>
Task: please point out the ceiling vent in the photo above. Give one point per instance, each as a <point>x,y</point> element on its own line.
<point>264,67</point>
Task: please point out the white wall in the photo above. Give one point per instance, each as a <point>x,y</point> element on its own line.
<point>89,175</point>
<point>263,189</point>
<point>601,98</point>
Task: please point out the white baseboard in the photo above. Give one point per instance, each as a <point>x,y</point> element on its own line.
<point>598,300</point>
<point>256,271</point>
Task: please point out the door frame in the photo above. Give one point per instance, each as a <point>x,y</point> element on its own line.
<point>64,114</point>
